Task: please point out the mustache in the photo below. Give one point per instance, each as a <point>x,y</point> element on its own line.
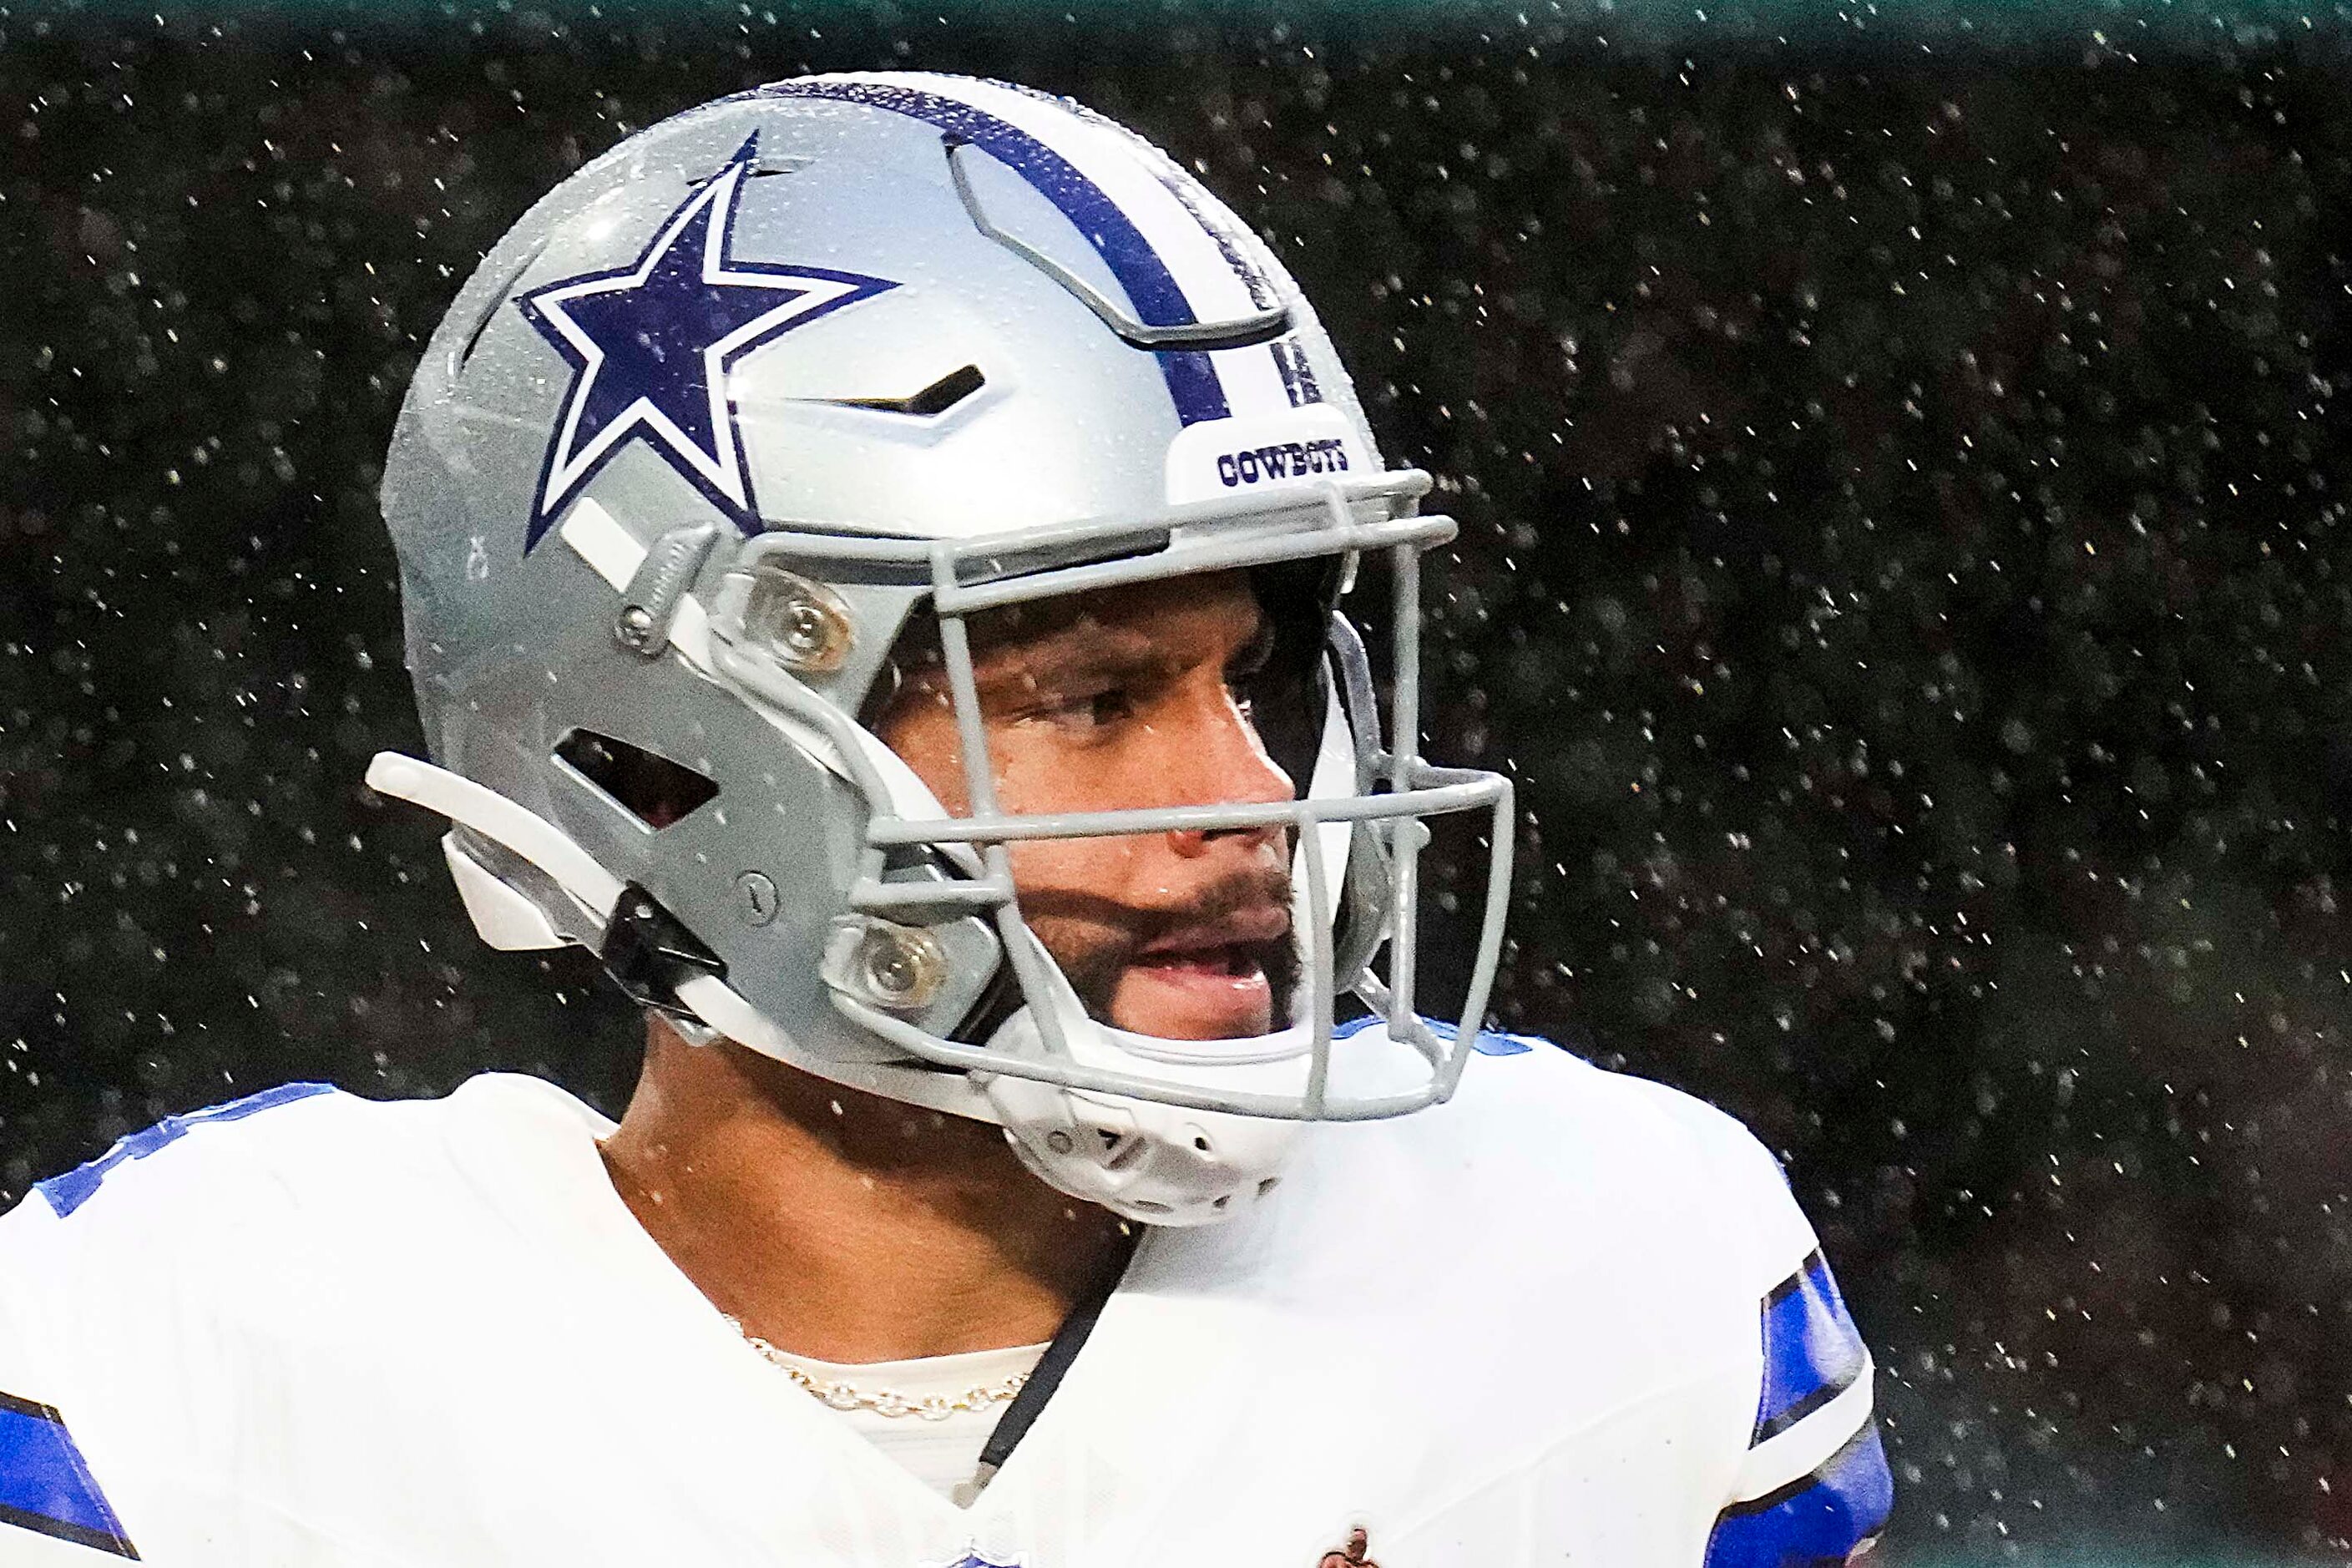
<point>1096,939</point>
<point>1142,925</point>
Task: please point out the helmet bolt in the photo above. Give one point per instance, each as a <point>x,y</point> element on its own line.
<point>1059,1142</point>
<point>634,628</point>
<point>903,966</point>
<point>806,626</point>
<point>755,898</point>
<point>804,630</point>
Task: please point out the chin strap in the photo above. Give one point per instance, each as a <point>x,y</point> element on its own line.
<point>1070,1141</point>
<point>651,955</point>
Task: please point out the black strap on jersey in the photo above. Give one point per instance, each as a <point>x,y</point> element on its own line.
<point>1030,1403</point>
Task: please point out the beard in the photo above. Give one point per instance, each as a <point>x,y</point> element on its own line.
<point>1097,941</point>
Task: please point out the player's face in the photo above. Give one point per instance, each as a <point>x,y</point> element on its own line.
<point>1113,700</point>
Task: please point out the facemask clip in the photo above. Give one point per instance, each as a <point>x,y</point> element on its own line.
<point>649,953</point>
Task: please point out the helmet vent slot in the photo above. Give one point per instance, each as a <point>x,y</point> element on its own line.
<point>646,785</point>
<point>933,400</point>
<point>498,303</point>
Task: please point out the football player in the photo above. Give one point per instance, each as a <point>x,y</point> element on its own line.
<point>872,551</point>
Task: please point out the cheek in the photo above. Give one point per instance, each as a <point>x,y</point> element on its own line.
<point>1032,775</point>
<point>1038,770</point>
<point>1134,871</point>
<point>924,736</point>
<point>1104,865</point>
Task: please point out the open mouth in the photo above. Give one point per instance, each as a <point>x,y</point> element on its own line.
<point>1212,981</point>
<point>1232,961</point>
<point>1236,937</point>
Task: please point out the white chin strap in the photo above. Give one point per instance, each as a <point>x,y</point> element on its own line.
<point>1161,1163</point>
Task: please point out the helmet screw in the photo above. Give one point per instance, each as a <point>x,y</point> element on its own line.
<point>634,628</point>
<point>1059,1142</point>
<point>755,898</point>
<point>804,624</point>
<point>903,967</point>
<point>804,630</point>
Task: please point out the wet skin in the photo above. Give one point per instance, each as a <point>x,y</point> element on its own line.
<point>850,1228</point>
<point>1128,699</point>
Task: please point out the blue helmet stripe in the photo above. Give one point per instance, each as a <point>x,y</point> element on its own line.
<point>1297,374</point>
<point>1289,353</point>
<point>1150,288</point>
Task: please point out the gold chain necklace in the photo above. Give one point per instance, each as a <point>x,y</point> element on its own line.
<point>846,1395</point>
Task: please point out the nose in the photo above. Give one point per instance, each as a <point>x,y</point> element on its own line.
<point>1222,760</point>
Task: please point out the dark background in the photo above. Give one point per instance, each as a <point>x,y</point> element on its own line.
<point>1903,561</point>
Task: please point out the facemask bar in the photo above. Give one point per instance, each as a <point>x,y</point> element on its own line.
<point>1002,569</point>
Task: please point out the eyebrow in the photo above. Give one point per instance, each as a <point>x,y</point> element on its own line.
<point>1256,650</point>
<point>1085,648</point>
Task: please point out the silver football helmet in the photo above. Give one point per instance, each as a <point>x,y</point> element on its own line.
<point>793,375</point>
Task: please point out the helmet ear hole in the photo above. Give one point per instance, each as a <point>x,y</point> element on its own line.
<point>647,786</point>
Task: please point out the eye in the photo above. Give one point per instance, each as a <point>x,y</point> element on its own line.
<point>1252,657</point>
<point>1087,711</point>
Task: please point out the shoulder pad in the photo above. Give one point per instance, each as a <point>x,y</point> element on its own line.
<point>1815,1486</point>
<point>1489,1043</point>
<point>46,1486</point>
<point>76,1187</point>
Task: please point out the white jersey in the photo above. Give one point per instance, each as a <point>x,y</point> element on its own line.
<point>1570,1316</point>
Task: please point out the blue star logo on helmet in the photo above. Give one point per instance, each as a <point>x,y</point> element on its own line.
<point>651,345</point>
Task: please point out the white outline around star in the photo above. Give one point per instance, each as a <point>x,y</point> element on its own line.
<point>722,469</point>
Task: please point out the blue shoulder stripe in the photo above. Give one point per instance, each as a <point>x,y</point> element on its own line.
<point>1813,1351</point>
<point>71,1191</point>
<point>1489,1043</point>
<point>1815,1521</point>
<point>45,1485</point>
<point>1151,288</point>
